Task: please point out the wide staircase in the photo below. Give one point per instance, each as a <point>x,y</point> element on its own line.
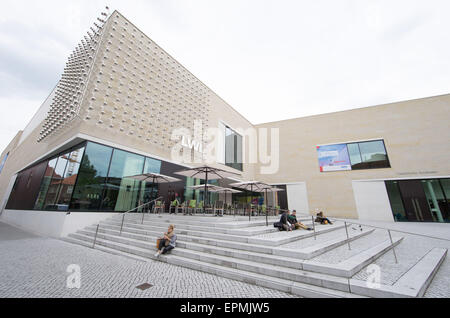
<point>299,262</point>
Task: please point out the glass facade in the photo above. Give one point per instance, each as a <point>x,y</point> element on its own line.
<point>95,178</point>
<point>424,200</point>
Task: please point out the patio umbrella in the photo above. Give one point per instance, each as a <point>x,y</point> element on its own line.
<point>210,188</point>
<point>207,173</point>
<point>154,178</point>
<point>251,186</point>
<point>266,189</point>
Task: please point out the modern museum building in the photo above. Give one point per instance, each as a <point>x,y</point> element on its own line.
<point>125,107</point>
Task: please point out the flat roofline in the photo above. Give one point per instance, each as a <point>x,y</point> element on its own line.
<point>354,109</point>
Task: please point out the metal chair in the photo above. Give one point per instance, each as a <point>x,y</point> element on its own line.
<point>159,207</point>
<point>219,207</point>
<point>199,207</point>
<point>174,206</point>
<point>182,207</point>
<point>190,209</point>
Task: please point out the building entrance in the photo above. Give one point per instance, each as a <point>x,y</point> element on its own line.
<point>424,200</point>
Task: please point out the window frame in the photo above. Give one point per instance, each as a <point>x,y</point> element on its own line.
<point>366,162</point>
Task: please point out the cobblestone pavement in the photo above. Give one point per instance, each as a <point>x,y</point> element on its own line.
<point>36,267</point>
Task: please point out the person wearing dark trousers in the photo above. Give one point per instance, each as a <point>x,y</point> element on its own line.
<point>298,225</point>
<point>322,219</point>
<point>284,220</point>
<point>168,242</point>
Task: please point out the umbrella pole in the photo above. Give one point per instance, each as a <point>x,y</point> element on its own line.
<point>251,202</point>
<point>153,190</point>
<point>267,211</point>
<point>206,192</point>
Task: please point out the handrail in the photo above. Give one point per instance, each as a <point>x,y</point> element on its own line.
<point>351,222</point>
<point>123,217</point>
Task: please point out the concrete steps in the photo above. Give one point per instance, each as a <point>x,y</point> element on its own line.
<point>256,229</point>
<point>277,238</point>
<point>249,252</point>
<point>247,271</point>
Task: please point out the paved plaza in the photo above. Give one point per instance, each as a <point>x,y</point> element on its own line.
<point>36,267</point>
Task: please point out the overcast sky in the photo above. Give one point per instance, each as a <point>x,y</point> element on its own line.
<point>271,60</point>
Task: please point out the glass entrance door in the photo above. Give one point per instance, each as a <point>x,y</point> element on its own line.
<point>415,201</point>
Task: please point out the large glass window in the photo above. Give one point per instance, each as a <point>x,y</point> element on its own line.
<point>55,183</point>
<point>419,200</point>
<point>122,193</point>
<point>45,184</point>
<point>368,155</point>
<point>88,192</point>
<point>436,199</point>
<point>395,199</point>
<point>70,177</point>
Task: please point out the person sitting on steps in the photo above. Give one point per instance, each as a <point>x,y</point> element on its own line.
<point>298,225</point>
<point>286,226</point>
<point>322,219</point>
<point>168,242</point>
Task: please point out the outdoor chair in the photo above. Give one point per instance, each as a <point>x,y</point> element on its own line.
<point>251,209</point>
<point>159,207</point>
<point>199,207</point>
<point>174,206</point>
<point>190,209</point>
<point>240,209</point>
<point>219,207</point>
<point>181,208</point>
<point>263,209</point>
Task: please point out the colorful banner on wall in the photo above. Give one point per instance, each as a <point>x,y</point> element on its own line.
<point>334,158</point>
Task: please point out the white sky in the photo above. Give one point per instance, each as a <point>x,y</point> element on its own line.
<point>271,60</point>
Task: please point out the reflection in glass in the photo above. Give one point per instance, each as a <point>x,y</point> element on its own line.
<point>395,199</point>
<point>92,175</point>
<point>53,189</point>
<point>148,191</point>
<point>354,154</point>
<point>69,179</point>
<point>121,193</point>
<point>45,184</point>
<point>445,208</point>
<point>368,155</point>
